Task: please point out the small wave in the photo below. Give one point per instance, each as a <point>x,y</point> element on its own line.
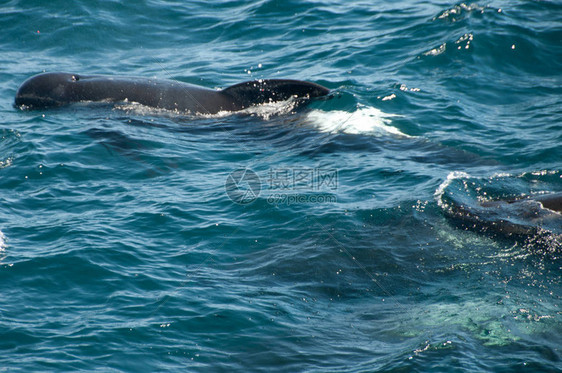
<point>459,12</point>
<point>132,107</point>
<point>445,184</point>
<point>264,111</point>
<point>365,120</point>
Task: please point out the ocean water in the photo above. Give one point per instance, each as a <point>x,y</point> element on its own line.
<point>322,239</point>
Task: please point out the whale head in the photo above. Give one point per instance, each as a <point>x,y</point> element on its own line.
<point>45,90</point>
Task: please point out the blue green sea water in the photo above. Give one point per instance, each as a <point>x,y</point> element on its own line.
<point>134,239</point>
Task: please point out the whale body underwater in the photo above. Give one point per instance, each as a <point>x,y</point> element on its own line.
<point>509,218</point>
<point>58,89</point>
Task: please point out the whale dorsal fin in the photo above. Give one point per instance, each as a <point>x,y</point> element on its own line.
<point>264,91</point>
<point>551,201</point>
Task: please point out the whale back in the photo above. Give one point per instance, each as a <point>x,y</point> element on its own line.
<point>552,201</point>
<point>259,92</point>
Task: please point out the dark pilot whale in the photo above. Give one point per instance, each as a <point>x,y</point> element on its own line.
<point>519,217</point>
<point>551,201</point>
<point>58,89</point>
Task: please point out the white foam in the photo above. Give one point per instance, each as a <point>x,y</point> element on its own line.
<point>6,163</point>
<point>450,178</point>
<point>365,120</point>
<point>437,51</point>
<point>2,241</point>
<point>132,107</point>
<point>267,110</point>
